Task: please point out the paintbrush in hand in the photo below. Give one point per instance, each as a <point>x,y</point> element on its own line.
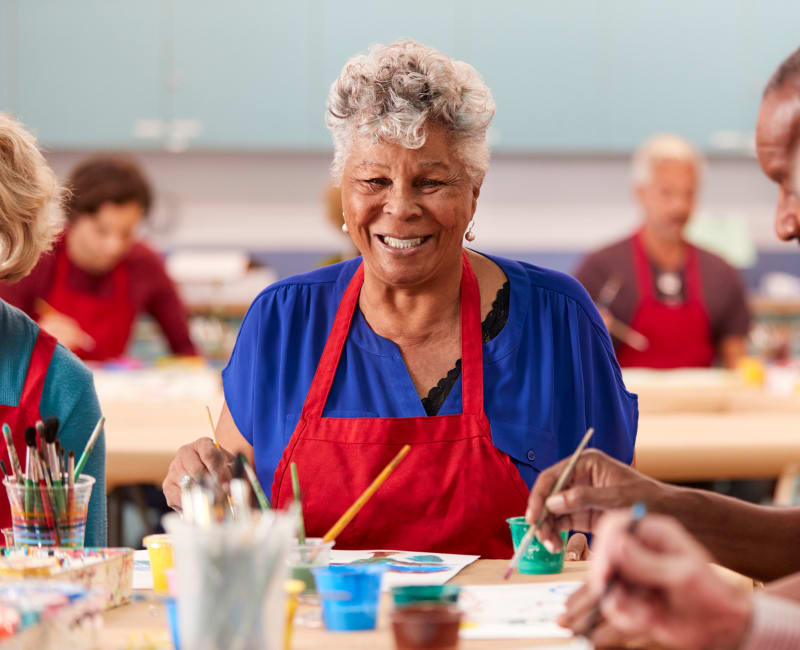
<point>638,511</point>
<point>525,542</point>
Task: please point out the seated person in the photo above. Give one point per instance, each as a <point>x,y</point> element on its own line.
<point>100,277</point>
<point>489,368</point>
<point>686,307</point>
<point>38,377</point>
<point>668,593</point>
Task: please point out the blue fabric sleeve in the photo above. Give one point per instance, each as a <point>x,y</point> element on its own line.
<point>239,377</point>
<point>70,396</point>
<point>589,373</point>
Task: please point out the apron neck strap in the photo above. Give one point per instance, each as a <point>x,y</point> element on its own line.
<point>471,345</point>
<point>644,274</point>
<point>42,353</point>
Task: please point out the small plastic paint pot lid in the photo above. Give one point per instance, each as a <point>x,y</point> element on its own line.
<point>157,541</point>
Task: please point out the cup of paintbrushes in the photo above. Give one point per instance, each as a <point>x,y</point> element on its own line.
<point>315,552</point>
<point>231,577</point>
<point>49,515</point>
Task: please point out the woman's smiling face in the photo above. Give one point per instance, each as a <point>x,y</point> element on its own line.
<point>407,209</point>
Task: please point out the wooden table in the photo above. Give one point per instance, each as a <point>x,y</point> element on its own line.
<point>132,624</point>
<point>144,625</point>
<point>686,432</point>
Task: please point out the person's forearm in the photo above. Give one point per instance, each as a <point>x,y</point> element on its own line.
<point>758,541</point>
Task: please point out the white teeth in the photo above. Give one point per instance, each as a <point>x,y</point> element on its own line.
<point>402,243</point>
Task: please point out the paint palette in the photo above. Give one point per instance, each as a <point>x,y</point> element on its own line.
<point>405,568</point>
<point>524,611</point>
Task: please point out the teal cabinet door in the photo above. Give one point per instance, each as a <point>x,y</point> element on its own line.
<point>349,27</point>
<point>242,74</point>
<point>8,56</point>
<point>546,64</point>
<point>89,72</point>
<point>601,75</point>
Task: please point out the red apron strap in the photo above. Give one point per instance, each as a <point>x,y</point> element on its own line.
<point>326,369</point>
<point>37,370</point>
<point>694,279</point>
<point>471,345</point>
<point>641,266</point>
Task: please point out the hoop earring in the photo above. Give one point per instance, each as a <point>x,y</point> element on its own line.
<point>470,234</point>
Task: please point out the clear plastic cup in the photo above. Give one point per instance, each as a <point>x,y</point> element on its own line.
<point>302,559</point>
<point>230,580</point>
<point>38,512</point>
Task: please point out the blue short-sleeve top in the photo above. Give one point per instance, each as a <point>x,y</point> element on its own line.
<point>548,375</point>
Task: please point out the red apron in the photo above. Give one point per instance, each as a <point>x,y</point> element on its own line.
<point>451,494</point>
<point>26,413</point>
<point>107,319</point>
<point>679,335</point>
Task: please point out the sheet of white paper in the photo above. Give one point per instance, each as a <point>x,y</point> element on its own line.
<point>408,567</point>
<point>514,611</point>
<point>142,577</point>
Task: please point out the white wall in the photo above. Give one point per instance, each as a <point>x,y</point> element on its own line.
<point>273,201</point>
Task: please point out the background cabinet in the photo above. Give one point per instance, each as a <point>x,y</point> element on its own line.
<point>569,76</point>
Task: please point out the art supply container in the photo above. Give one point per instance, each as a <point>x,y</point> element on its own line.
<point>8,537</point>
<point>230,580</point>
<point>159,549</point>
<point>537,558</point>
<point>171,607</point>
<point>404,596</point>
<point>349,595</point>
<point>36,510</point>
<point>426,626</point>
<point>301,562</point>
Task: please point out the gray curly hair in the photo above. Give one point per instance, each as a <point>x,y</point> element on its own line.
<point>393,92</point>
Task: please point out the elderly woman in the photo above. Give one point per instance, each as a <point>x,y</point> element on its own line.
<point>490,369</point>
<point>39,378</point>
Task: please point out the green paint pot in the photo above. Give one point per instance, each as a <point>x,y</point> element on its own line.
<point>412,594</point>
<point>537,559</point>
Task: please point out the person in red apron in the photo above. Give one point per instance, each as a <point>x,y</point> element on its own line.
<point>488,368</point>
<point>27,412</point>
<point>678,335</point>
<point>39,378</point>
<point>667,303</point>
<point>453,480</point>
<point>89,291</point>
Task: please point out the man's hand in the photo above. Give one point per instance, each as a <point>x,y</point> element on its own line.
<point>598,483</point>
<point>662,588</point>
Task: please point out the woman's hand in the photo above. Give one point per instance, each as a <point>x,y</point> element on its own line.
<point>577,548</point>
<point>66,330</point>
<point>598,483</point>
<point>664,588</point>
<point>195,460</point>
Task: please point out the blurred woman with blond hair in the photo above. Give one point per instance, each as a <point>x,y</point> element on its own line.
<point>39,378</point>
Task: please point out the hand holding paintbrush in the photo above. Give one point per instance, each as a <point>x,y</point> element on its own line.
<point>528,538</point>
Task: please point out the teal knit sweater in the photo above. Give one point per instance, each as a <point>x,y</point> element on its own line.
<point>68,394</point>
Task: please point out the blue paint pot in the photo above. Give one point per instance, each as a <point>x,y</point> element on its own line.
<point>349,595</point>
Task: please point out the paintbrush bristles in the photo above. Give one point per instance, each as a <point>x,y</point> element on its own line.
<point>50,430</point>
<point>30,437</point>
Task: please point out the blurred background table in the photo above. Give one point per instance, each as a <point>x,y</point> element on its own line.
<point>694,425</point>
